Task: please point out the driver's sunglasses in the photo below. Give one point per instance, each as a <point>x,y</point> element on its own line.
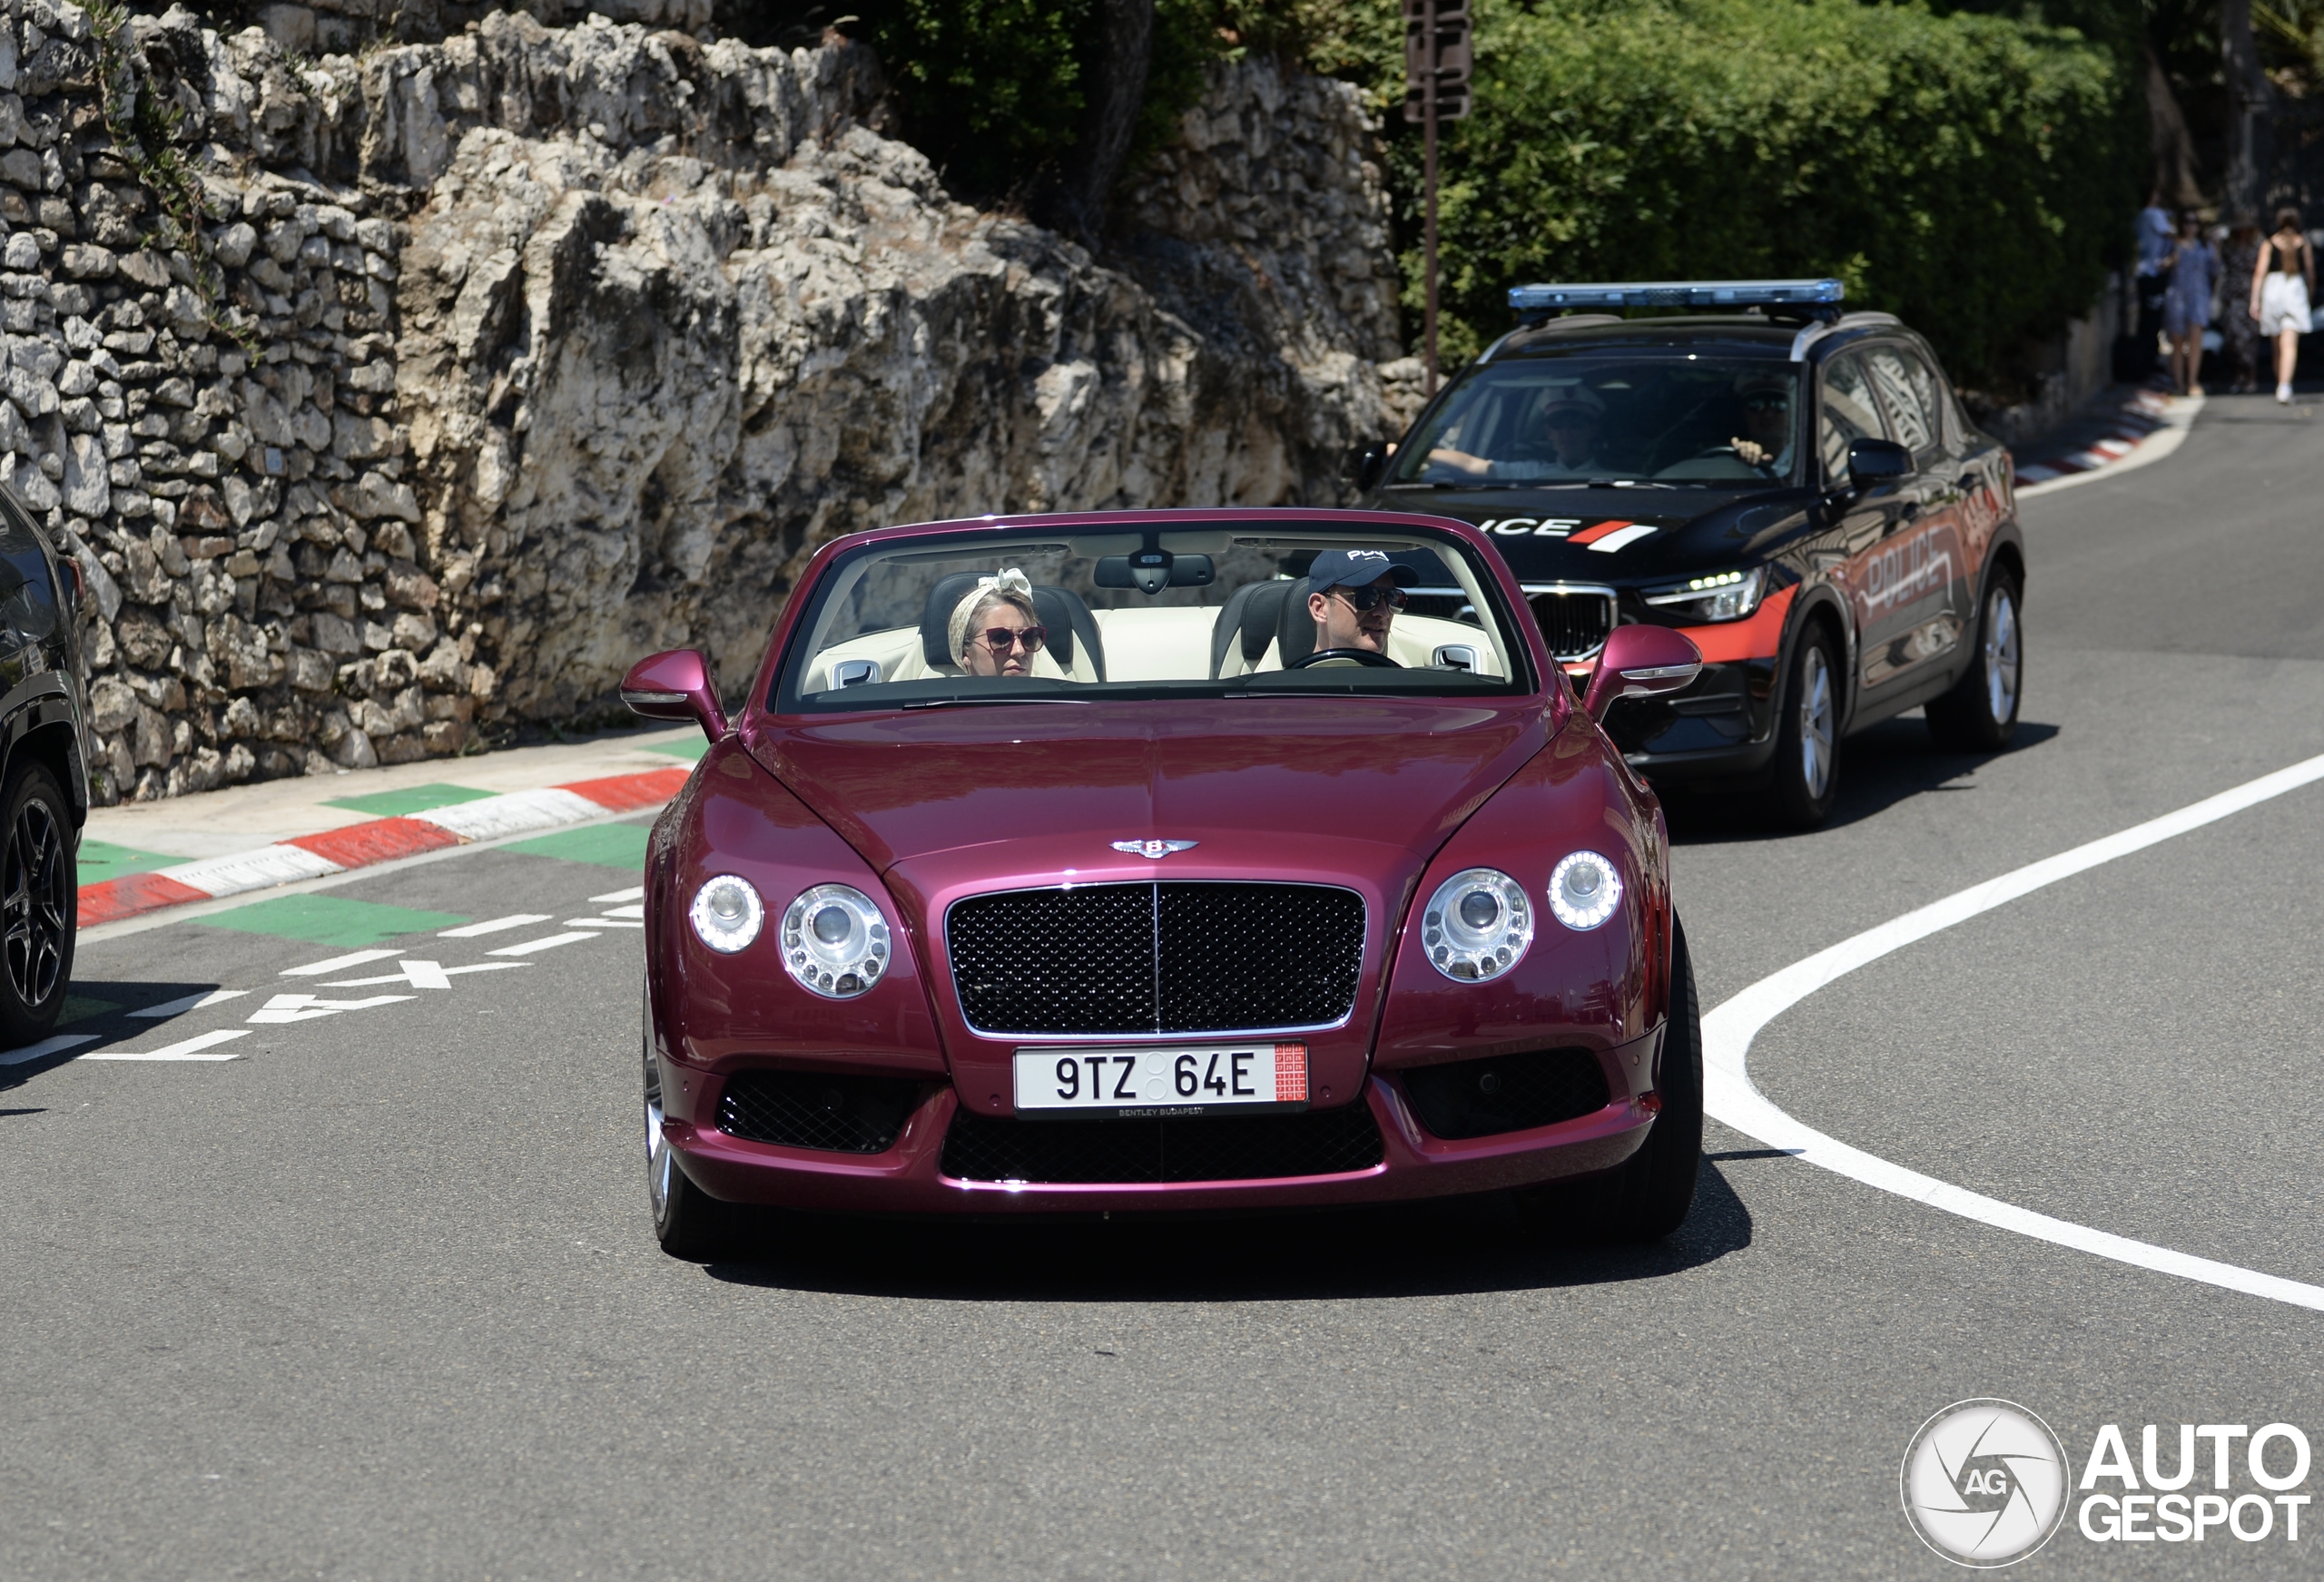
<point>1367,599</point>
<point>1001,639</point>
<point>1768,401</point>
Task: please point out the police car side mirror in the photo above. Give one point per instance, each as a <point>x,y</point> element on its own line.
<point>1367,466</point>
<point>1873,462</point>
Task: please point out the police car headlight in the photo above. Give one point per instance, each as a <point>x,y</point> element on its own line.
<point>1584,889</point>
<point>1718,596</point>
<point>1477,925</point>
<point>834,941</point>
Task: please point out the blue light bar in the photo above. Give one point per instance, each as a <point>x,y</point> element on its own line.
<point>1678,294</point>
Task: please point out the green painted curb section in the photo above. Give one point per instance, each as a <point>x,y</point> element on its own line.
<point>418,798</point>
<point>605,845</point>
<point>101,860</point>
<point>690,752</point>
<point>330,920</point>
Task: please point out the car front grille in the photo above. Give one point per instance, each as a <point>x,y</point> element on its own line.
<point>1575,622</point>
<point>1173,957</point>
<point>1508,1093</point>
<point>1145,1153</point>
<point>840,1113</point>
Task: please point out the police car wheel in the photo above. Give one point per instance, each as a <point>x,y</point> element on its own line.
<point>1807,735</point>
<point>1979,715</point>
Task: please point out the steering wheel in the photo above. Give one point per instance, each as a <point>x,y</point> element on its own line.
<point>1363,656</point>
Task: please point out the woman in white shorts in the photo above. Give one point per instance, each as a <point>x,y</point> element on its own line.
<point>2281,287</point>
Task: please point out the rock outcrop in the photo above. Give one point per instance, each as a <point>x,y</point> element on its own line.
<point>470,370</point>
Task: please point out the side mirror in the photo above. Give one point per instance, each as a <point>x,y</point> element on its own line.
<point>1640,661</point>
<point>1367,465</point>
<point>675,685</point>
<point>1873,462</point>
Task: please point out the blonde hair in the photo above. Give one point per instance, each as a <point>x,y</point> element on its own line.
<point>1009,586</point>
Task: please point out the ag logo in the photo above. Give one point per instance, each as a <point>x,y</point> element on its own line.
<point>1984,1483</point>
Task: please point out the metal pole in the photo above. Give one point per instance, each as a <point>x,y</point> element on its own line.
<point>1428,138</point>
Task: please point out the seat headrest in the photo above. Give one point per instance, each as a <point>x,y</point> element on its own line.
<point>1060,610</point>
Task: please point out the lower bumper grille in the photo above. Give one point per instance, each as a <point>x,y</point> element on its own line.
<point>1508,1093</point>
<point>1147,1153</point>
<point>838,1112</point>
<point>1575,623</point>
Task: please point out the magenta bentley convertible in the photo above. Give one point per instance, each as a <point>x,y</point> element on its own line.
<point>1165,861</point>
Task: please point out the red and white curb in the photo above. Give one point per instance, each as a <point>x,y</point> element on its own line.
<point>2152,426</point>
<point>377,841</point>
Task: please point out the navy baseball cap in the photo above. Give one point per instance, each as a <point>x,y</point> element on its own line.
<point>1357,568</point>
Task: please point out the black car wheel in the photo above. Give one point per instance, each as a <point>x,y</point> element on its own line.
<point>687,1221</point>
<point>41,906</point>
<point>1807,735</point>
<point>1649,1196</point>
<point>1979,715</point>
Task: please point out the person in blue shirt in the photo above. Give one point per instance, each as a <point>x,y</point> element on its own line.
<point>2154,234</point>
<point>2193,276</point>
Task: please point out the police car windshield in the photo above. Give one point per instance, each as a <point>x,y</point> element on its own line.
<point>1551,421</point>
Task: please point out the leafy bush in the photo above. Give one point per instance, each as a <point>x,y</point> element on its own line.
<point>1972,172</point>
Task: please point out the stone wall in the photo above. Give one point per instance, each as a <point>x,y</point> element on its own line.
<point>501,360</point>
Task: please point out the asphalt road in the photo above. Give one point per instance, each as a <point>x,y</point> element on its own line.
<point>378,1298</point>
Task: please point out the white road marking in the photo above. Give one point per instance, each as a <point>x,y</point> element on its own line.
<point>637,912</point>
<point>494,925</point>
<point>1731,1098</point>
<point>635,892</point>
<point>434,972</point>
<point>306,1007</point>
<point>550,943</point>
<point>193,1048</point>
<point>46,1048</point>
<point>336,964</point>
<point>191,1002</point>
<point>602,923</point>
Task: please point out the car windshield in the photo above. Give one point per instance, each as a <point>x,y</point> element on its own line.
<point>1671,418</point>
<point>1074,616</point>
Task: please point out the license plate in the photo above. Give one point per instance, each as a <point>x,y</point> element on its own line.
<point>1184,1080</point>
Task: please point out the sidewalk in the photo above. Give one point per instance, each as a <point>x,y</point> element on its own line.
<point>2126,427</point>
<point>145,856</point>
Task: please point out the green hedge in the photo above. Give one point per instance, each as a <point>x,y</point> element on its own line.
<point>1972,173</point>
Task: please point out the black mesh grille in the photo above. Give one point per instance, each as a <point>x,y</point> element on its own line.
<point>816,1110</point>
<point>1508,1093</point>
<point>1574,625</point>
<point>1142,1152</point>
<point>1234,957</point>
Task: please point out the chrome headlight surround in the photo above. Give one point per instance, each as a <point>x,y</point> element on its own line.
<point>1715,596</point>
<point>1585,890</point>
<point>835,941</point>
<point>726,913</point>
<point>1477,925</point>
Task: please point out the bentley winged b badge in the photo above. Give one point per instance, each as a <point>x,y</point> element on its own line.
<point>1154,847</point>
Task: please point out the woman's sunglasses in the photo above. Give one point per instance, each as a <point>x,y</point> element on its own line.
<point>1364,599</point>
<point>1001,639</point>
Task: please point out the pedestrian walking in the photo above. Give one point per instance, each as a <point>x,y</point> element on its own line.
<point>2193,275</point>
<point>2239,332</point>
<point>2155,256</point>
<point>2282,283</point>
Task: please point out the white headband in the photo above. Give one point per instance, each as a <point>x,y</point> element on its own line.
<point>1009,581</point>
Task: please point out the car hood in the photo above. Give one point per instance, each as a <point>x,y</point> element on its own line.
<point>1618,537</point>
<point>1361,790</point>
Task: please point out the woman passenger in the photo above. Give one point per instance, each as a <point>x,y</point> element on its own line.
<point>994,630</point>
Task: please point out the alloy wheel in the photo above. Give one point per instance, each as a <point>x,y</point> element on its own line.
<point>2001,655</point>
<point>1815,722</point>
<point>36,903</point>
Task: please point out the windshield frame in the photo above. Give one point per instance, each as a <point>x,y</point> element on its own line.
<point>1403,474</point>
<point>790,658</point>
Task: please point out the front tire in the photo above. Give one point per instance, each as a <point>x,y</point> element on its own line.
<point>1807,735</point>
<point>40,904</point>
<point>688,1222</point>
<point>1979,715</point>
<point>1649,1195</point>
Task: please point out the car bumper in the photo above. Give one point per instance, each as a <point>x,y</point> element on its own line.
<point>909,1178</point>
<point>1721,727</point>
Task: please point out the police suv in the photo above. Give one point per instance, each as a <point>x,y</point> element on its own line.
<point>1794,487</point>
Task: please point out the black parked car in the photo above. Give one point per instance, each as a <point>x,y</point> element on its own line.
<point>1796,488</point>
<point>44,783</point>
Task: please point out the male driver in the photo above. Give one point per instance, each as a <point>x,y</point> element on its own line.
<point>1570,416</point>
<point>1354,596</point>
<point>1765,446</point>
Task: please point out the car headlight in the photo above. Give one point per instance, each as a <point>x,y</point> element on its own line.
<point>1719,596</point>
<point>1477,925</point>
<point>835,941</point>
<point>726,913</point>
<point>1584,891</point>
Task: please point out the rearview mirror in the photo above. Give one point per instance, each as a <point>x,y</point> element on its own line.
<point>1640,661</point>
<point>1149,571</point>
<point>1873,462</point>
<point>675,685</point>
